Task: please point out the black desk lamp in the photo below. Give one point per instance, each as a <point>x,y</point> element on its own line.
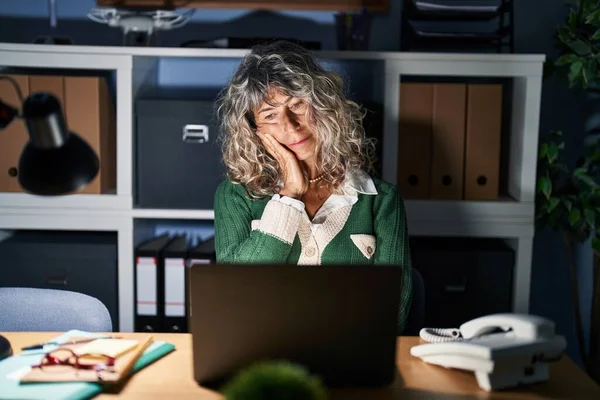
<point>54,161</point>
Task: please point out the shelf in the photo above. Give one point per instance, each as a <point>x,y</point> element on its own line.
<point>26,55</point>
<point>137,69</point>
<point>25,201</point>
<point>65,219</point>
<point>502,218</point>
<point>173,214</point>
<point>137,58</point>
<point>90,51</point>
<point>309,5</point>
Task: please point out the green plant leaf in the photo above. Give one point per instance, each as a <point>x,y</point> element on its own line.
<point>543,151</point>
<point>567,58</point>
<point>589,6</point>
<point>590,217</point>
<point>572,20</point>
<point>579,47</point>
<point>545,186</point>
<point>553,202</point>
<point>574,216</point>
<point>575,72</point>
<point>594,17</point>
<point>568,204</point>
<point>552,152</point>
<point>585,79</point>
<point>596,35</point>
<point>582,175</point>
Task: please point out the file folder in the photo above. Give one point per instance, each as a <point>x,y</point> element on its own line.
<point>149,294</point>
<point>414,140</point>
<point>483,140</point>
<point>175,255</point>
<point>448,141</point>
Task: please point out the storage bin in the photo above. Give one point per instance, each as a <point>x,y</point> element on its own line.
<point>84,262</point>
<point>464,278</point>
<point>178,157</point>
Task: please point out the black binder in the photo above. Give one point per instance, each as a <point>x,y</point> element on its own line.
<point>149,293</point>
<point>203,253</point>
<point>174,283</point>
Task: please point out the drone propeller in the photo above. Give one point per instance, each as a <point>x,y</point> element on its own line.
<point>140,21</point>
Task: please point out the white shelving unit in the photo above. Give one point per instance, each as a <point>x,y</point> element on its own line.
<point>136,69</point>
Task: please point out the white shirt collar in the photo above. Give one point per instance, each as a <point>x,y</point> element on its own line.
<point>355,182</point>
<point>359,181</point>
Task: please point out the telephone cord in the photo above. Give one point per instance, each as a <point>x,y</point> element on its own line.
<point>441,335</point>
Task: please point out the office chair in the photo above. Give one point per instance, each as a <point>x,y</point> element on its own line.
<point>416,315</point>
<point>32,309</point>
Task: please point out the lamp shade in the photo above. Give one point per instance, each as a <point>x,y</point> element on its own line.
<point>5,348</point>
<point>54,161</point>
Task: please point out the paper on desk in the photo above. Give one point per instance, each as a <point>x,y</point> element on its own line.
<point>12,367</point>
<point>109,347</point>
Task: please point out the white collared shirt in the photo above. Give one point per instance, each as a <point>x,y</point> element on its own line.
<point>356,182</point>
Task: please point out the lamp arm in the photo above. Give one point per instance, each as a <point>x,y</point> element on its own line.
<point>15,85</point>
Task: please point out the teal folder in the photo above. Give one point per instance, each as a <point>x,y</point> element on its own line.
<point>13,367</point>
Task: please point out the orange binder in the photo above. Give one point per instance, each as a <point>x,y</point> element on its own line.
<point>414,140</point>
<point>482,147</point>
<point>448,140</point>
<point>90,113</point>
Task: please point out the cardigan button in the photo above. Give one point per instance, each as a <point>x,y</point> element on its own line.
<point>369,250</point>
<point>310,251</point>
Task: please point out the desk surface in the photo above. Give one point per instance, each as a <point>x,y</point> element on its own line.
<point>173,376</point>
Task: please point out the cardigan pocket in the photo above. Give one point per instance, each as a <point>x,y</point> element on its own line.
<point>365,243</point>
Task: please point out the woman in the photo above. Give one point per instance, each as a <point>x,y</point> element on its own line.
<point>297,157</point>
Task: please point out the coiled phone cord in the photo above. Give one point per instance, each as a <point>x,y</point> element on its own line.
<point>440,335</point>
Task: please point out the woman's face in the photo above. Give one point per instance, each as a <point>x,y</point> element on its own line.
<point>286,121</point>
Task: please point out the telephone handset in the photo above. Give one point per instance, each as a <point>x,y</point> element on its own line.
<point>503,350</point>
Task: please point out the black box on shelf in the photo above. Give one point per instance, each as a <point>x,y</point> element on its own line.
<point>84,262</point>
<point>464,278</point>
<point>178,159</point>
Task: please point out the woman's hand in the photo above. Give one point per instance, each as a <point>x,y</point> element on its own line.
<point>294,182</point>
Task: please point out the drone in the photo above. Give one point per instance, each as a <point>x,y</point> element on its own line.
<point>144,22</point>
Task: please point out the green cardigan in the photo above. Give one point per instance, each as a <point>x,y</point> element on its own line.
<point>371,231</point>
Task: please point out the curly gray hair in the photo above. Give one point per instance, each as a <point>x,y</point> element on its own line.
<point>335,119</point>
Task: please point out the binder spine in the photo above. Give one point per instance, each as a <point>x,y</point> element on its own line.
<point>175,294</point>
<point>146,319</point>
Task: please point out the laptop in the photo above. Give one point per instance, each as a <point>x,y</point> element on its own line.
<point>338,321</point>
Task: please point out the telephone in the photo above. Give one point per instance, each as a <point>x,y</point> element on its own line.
<point>504,350</point>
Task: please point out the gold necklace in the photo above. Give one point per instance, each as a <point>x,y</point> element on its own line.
<point>318,178</point>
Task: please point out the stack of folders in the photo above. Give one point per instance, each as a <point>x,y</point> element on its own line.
<point>450,140</point>
<point>161,281</point>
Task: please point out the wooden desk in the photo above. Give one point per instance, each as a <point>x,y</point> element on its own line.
<point>172,377</point>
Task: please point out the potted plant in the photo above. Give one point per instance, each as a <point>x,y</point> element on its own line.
<point>568,199</point>
<point>274,380</point>
<point>568,202</point>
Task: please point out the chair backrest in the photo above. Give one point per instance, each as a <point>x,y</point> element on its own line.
<point>33,309</point>
<point>416,315</point>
